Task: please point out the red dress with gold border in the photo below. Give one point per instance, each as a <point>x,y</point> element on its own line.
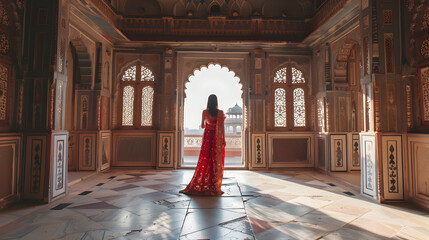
<point>207,179</point>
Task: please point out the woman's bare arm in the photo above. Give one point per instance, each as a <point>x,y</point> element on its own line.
<point>202,120</point>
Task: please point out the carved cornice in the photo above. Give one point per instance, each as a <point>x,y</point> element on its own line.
<point>218,28</point>
<point>106,10</point>
<point>214,28</point>
<point>329,9</point>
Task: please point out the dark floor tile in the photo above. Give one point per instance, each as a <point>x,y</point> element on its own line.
<point>112,177</point>
<point>61,206</point>
<point>349,193</point>
<point>100,184</point>
<point>331,184</point>
<point>85,193</point>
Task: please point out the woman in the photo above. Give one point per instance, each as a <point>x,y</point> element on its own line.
<point>207,179</point>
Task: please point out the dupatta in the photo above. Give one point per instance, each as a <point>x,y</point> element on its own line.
<point>219,151</point>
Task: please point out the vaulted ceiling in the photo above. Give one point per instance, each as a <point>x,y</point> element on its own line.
<point>214,20</point>
<point>300,9</point>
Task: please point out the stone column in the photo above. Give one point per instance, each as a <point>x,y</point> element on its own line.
<point>384,100</point>
<point>45,77</point>
<point>167,136</point>
<point>258,104</point>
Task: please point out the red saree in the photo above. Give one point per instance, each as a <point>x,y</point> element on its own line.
<point>207,179</point>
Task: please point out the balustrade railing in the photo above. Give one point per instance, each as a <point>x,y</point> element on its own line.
<point>195,141</point>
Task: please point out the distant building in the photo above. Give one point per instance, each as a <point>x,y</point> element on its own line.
<point>234,120</point>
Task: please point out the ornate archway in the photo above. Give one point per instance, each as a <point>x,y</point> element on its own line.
<point>188,63</point>
<point>220,80</point>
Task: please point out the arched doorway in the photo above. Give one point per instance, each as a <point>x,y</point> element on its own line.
<point>219,80</point>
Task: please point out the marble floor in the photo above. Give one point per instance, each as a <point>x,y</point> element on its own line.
<point>75,177</point>
<point>145,204</point>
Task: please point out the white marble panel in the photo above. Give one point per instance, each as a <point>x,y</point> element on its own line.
<point>338,152</point>
<point>166,150</point>
<point>258,151</point>
<point>369,174</point>
<point>392,167</point>
<point>59,163</point>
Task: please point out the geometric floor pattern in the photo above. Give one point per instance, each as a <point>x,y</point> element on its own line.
<point>146,204</point>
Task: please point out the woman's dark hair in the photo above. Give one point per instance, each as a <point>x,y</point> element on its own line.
<point>212,105</point>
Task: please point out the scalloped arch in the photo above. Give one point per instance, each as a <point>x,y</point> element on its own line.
<point>207,66</point>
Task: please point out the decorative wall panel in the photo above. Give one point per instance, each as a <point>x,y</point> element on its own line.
<point>104,112</point>
<point>105,150</point>
<point>87,151</point>
<point>354,152</point>
<point>7,170</point>
<point>389,52</point>
<point>258,84</point>
<point>10,155</point>
<point>392,167</point>
<point>166,150</point>
<point>134,148</point>
<point>321,152</point>
<point>59,102</point>
<point>338,152</point>
<point>4,78</point>
<point>36,159</point>
<point>84,107</point>
<point>424,89</point>
<point>409,107</point>
<point>369,174</point>
<point>59,164</point>
<point>290,150</point>
<point>418,169</point>
<point>258,156</point>
<point>72,152</point>
<point>39,92</point>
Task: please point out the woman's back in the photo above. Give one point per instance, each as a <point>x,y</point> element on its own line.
<point>207,179</point>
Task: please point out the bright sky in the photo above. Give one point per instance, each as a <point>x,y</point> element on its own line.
<point>211,80</point>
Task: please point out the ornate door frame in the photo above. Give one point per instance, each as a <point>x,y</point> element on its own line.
<point>187,62</point>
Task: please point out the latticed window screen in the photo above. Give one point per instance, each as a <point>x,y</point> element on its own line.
<point>137,96</point>
<point>299,107</point>
<point>147,105</point>
<point>130,74</point>
<point>289,87</point>
<point>128,106</point>
<point>297,76</point>
<point>280,76</point>
<point>280,107</point>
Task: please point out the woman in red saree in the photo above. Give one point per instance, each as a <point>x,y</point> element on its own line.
<point>207,179</point>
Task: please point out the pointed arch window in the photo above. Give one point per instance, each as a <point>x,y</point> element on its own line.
<point>137,89</point>
<point>289,98</point>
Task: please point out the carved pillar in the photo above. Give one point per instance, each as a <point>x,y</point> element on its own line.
<point>258,106</point>
<point>384,101</point>
<point>45,79</point>
<point>167,137</point>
